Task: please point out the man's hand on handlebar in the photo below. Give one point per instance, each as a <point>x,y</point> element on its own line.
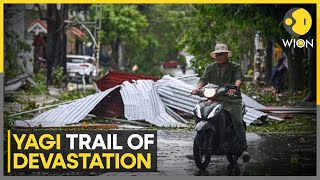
<point>231,92</point>
<point>195,91</point>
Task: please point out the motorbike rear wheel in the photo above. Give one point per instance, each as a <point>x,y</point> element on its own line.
<point>201,150</point>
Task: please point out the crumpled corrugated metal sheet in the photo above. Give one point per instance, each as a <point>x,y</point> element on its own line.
<point>114,78</point>
<point>175,93</point>
<point>66,114</point>
<point>251,102</point>
<point>191,79</point>
<point>253,115</point>
<point>141,102</point>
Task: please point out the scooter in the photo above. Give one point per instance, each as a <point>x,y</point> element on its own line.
<point>215,133</point>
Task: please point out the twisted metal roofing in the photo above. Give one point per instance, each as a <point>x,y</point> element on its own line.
<point>142,102</point>
<point>66,114</point>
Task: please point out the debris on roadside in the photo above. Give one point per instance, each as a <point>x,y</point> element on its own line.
<point>66,114</point>
<point>80,126</point>
<point>141,101</point>
<point>292,110</point>
<point>114,78</point>
<point>115,120</point>
<point>17,82</point>
<point>75,86</point>
<point>162,102</point>
<point>175,93</point>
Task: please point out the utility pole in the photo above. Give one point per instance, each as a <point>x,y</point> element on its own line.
<point>95,32</point>
<point>83,24</point>
<point>98,32</point>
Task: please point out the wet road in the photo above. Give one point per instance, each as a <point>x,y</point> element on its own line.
<point>272,154</point>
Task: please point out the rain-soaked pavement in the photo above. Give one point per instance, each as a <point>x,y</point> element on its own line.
<point>271,154</point>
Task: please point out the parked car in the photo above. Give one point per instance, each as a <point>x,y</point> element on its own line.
<point>81,66</point>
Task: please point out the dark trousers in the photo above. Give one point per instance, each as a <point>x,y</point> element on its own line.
<point>236,116</point>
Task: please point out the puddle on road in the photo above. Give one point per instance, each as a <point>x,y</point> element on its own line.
<point>272,154</point>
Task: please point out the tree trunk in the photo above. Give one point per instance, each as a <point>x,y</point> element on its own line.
<point>298,73</point>
<point>295,69</point>
<point>51,17</point>
<point>56,40</point>
<point>64,12</point>
<point>269,58</point>
<point>120,56</point>
<point>115,55</point>
<point>295,66</point>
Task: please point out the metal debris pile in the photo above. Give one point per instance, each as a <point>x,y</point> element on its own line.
<point>159,103</point>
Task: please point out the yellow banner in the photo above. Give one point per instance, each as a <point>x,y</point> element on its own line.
<point>317,54</point>
<point>1,38</point>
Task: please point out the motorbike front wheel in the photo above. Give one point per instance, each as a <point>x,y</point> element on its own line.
<point>232,158</point>
<point>201,150</point>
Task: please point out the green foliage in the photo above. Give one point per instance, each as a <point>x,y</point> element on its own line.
<point>7,121</point>
<point>166,24</point>
<point>41,87</point>
<point>234,25</point>
<point>72,95</point>
<point>13,47</point>
<point>58,76</point>
<point>123,24</point>
<point>181,59</point>
<point>190,127</point>
<point>265,96</point>
<point>298,124</point>
<point>306,70</point>
<point>148,33</point>
<point>121,21</point>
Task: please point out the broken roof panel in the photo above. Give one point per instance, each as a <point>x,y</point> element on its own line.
<point>66,114</point>
<point>114,78</point>
<point>175,93</point>
<point>141,101</point>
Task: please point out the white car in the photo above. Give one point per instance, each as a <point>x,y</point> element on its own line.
<point>79,66</point>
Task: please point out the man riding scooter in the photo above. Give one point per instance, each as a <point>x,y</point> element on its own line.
<point>221,73</point>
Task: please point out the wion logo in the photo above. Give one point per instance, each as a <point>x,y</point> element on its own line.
<point>297,21</point>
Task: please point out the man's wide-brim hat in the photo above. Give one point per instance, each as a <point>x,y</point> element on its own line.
<point>221,48</point>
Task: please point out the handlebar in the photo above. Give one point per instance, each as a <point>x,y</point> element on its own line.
<point>221,90</point>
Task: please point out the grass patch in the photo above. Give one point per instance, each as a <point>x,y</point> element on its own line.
<point>190,127</point>
<point>72,95</point>
<point>265,96</point>
<point>298,124</point>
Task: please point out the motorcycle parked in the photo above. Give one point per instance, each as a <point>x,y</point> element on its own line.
<point>215,133</point>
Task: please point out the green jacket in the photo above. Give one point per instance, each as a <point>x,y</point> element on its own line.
<point>232,72</point>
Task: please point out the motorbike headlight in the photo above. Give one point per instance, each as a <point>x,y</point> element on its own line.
<point>209,92</point>
<point>198,111</point>
<point>215,111</point>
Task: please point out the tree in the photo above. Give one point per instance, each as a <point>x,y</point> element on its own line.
<point>13,47</point>
<point>209,26</point>
<point>142,34</point>
<point>211,21</point>
<point>122,28</point>
<point>56,40</point>
<point>166,23</point>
